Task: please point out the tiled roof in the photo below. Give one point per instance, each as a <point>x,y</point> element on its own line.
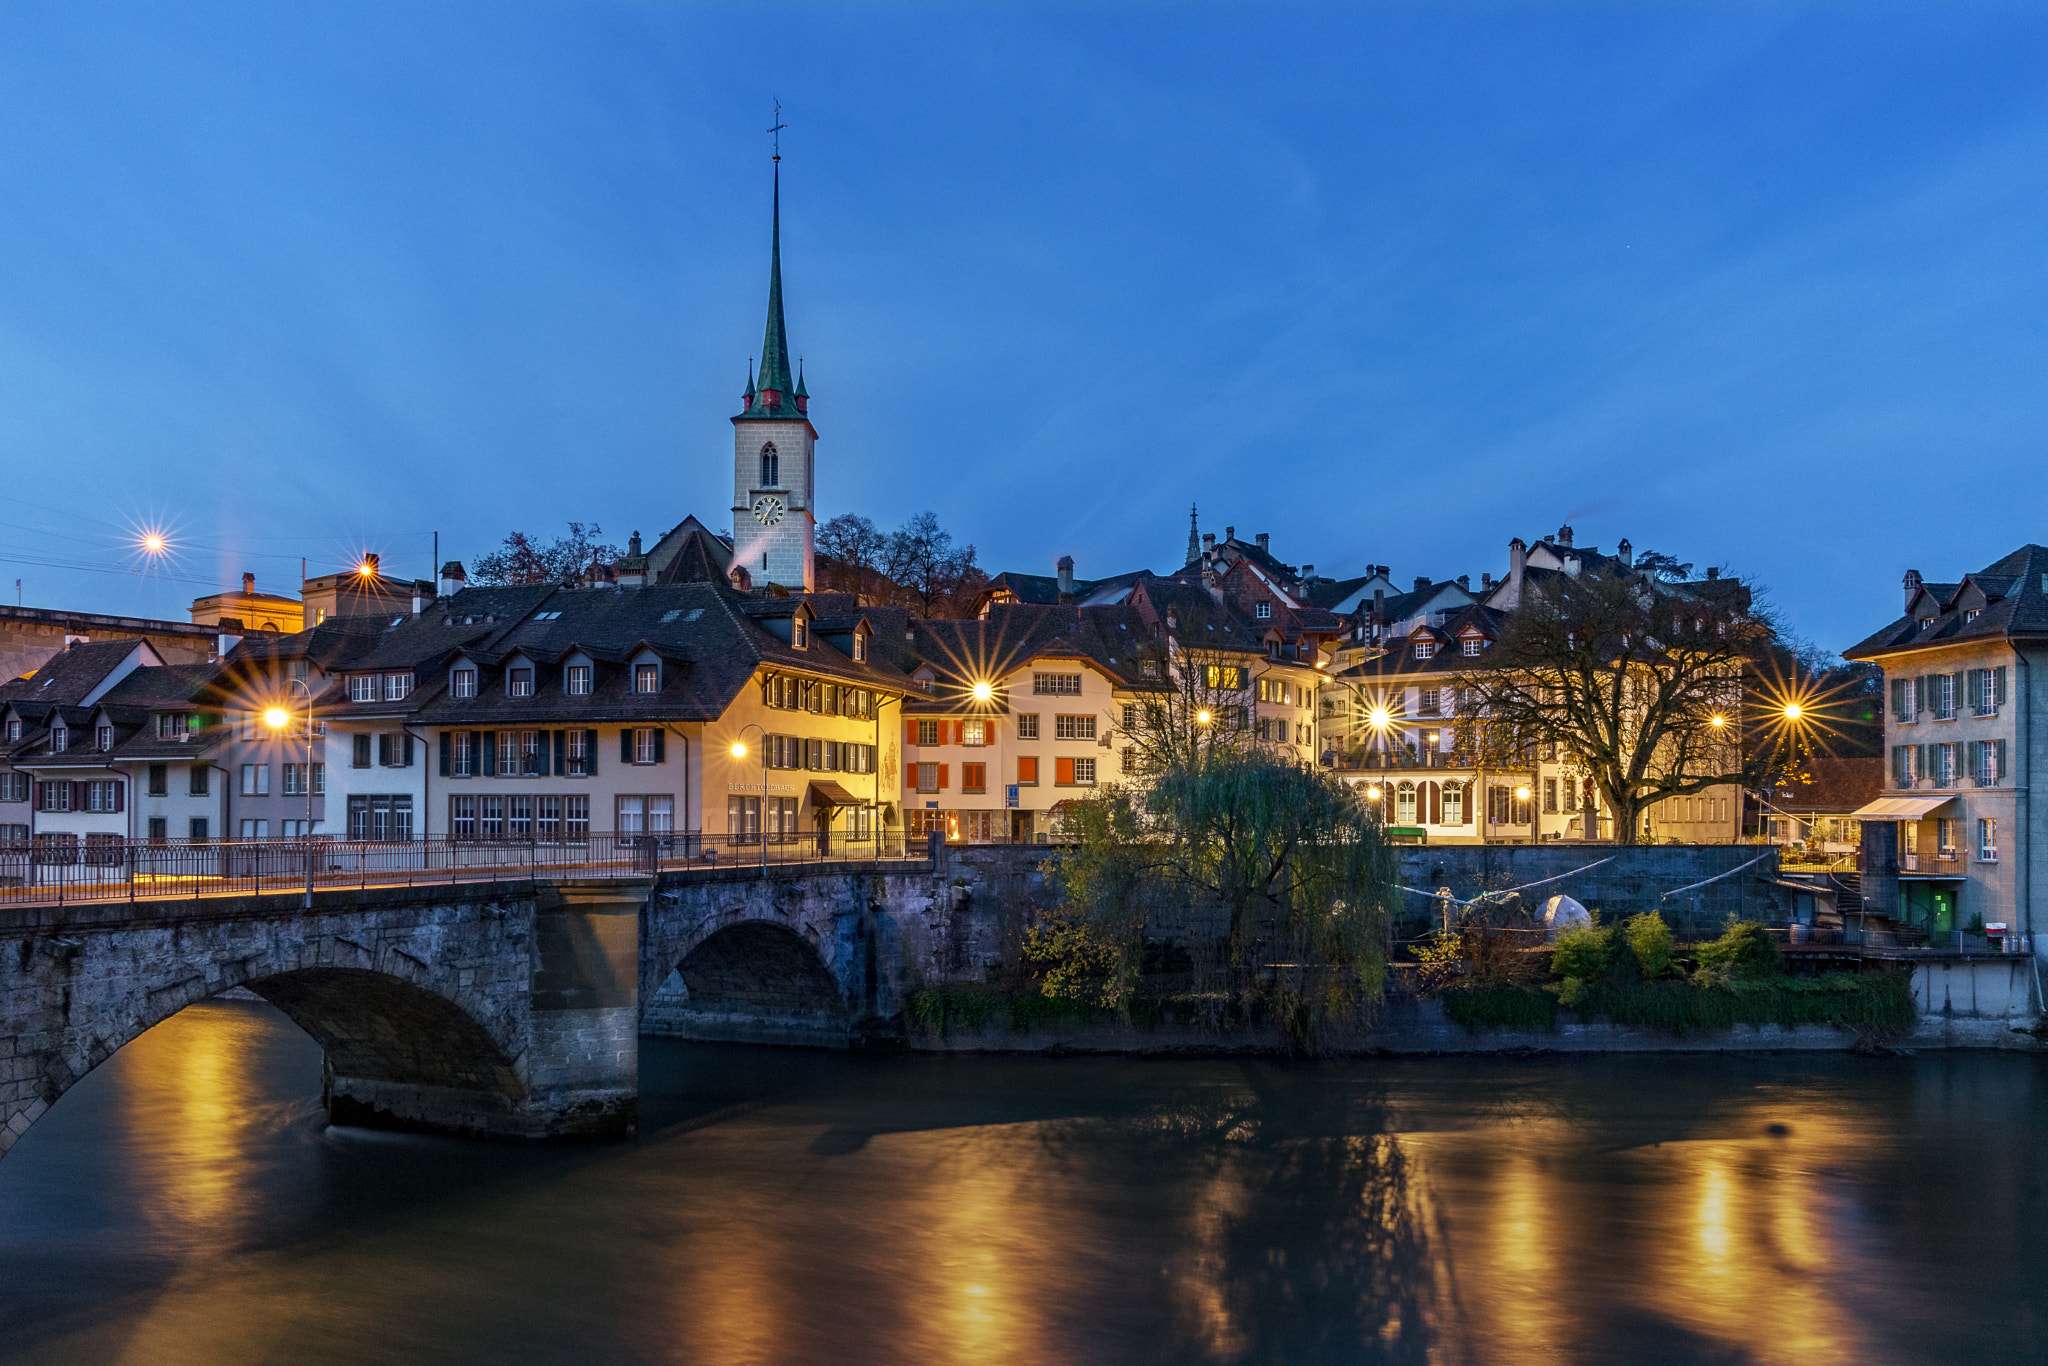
<point>69,677</point>
<point>1114,639</point>
<point>2006,596</point>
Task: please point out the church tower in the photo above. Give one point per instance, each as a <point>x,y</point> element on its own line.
<point>774,523</point>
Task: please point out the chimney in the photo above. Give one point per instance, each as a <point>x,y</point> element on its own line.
<point>1485,580</point>
<point>248,585</point>
<point>419,597</point>
<point>1571,565</point>
<point>1465,582</point>
<point>1379,604</point>
<point>1564,535</point>
<point>1912,587</point>
<point>1263,539</point>
<point>1518,558</point>
<point>1421,582</point>
<point>371,563</point>
<point>1713,573</point>
<point>633,544</point>
<point>1308,573</point>
<point>1229,534</point>
<point>1065,570</point>
<point>1626,552</point>
<point>453,579</point>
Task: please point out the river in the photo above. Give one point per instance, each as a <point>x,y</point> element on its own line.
<point>189,1203</point>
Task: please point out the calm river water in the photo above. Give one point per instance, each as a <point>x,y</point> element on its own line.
<point>188,1203</point>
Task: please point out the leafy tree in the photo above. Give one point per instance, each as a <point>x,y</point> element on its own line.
<point>931,574</point>
<point>523,559</point>
<point>1294,862</point>
<point>1655,693</point>
<point>1667,568</point>
<point>850,551</point>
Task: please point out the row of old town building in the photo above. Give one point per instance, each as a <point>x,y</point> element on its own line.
<point>704,687</point>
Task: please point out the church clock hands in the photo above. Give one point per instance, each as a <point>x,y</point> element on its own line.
<point>768,509</point>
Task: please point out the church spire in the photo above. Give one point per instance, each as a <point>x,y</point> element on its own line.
<point>1194,537</point>
<point>774,378</point>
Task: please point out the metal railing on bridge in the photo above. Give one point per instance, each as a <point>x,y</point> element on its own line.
<point>60,869</point>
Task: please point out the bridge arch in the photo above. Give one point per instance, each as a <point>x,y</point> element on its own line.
<point>752,981</point>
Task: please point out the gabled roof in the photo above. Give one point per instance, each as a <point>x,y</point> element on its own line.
<point>2014,605</point>
<point>82,673</point>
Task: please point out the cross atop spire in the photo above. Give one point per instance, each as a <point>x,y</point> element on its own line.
<point>774,379</point>
<point>1194,537</point>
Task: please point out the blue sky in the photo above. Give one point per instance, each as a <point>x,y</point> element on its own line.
<point>1759,285</point>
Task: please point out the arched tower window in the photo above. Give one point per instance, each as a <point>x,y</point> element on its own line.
<point>771,467</point>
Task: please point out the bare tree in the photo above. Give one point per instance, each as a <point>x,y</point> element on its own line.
<point>931,574</point>
<point>523,559</point>
<point>1199,704</point>
<point>850,554</point>
<point>1655,693</point>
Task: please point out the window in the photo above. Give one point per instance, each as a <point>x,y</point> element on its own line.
<point>463,752</point>
<point>974,777</point>
<point>1027,770</point>
<point>1148,668</point>
<point>799,633</point>
<point>1027,727</point>
<point>519,682</point>
<point>255,830</point>
<point>1228,677</point>
<point>462,683</point>
<point>1903,709</point>
<point>362,687</point>
<point>1473,646</point>
<point>771,467</point>
<point>490,818</point>
<point>60,738</point>
<point>1056,685</point>
<point>928,733</point>
<point>519,818</point>
<point>1425,649</point>
<point>14,728</point>
<point>397,687</point>
<point>172,725</point>
<point>1987,762</point>
<point>577,753</point>
<point>1987,840</point>
<point>295,779</point>
<point>462,817</point>
<point>576,680</point>
<point>647,745</point>
<point>974,732</point>
<point>1426,701</point>
<point>199,781</point>
<point>159,829</point>
<point>646,678</point>
<point>860,647</point>
<point>1984,690</point>
<point>1943,687</point>
<point>927,777</point>
<point>1130,716</point>
<point>533,753</point>
<point>1073,728</point>
<point>255,780</point>
<point>1264,611</point>
<point>197,828</point>
<point>1084,770</point>
<point>1945,837</point>
<point>507,759</point>
<point>1550,794</point>
<point>53,796</point>
<point>1905,765</point>
<point>359,751</point>
<point>13,787</point>
<point>1944,764</point>
<point>1454,803</point>
<point>743,818</point>
<point>159,780</point>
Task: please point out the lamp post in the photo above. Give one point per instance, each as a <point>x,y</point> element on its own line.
<point>739,751</point>
<point>280,719</point>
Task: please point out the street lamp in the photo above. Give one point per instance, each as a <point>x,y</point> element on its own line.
<point>983,692</point>
<point>739,751</point>
<point>279,719</point>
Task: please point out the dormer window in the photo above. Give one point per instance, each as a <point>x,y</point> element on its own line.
<point>519,682</point>
<point>1473,645</point>
<point>1971,615</point>
<point>14,728</point>
<point>462,683</point>
<point>397,687</point>
<point>646,678</point>
<point>1264,611</point>
<point>362,687</point>
<point>60,739</point>
<point>860,647</point>
<point>1425,649</point>
<point>799,633</point>
<point>171,725</point>
<point>576,680</point>
<point>103,738</point>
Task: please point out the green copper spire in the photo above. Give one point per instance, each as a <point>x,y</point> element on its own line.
<point>775,345</point>
<point>801,392</point>
<point>750,381</point>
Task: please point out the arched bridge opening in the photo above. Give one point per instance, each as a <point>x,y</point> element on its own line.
<point>751,983</point>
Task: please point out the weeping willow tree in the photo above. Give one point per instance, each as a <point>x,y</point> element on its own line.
<point>1282,858</point>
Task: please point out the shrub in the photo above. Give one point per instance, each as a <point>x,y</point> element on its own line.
<point>1745,949</point>
<point>1584,953</point>
<point>1501,1007</point>
<point>1650,938</point>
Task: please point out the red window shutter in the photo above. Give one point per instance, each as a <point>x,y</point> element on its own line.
<point>959,732</point>
<point>1027,768</point>
<point>78,796</point>
<point>910,733</point>
<point>1063,770</point>
<point>942,776</point>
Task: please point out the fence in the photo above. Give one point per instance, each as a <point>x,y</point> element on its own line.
<point>59,869</point>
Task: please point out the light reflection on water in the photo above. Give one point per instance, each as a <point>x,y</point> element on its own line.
<point>186,1203</point>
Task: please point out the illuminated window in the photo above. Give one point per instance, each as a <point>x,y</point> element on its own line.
<point>646,678</point>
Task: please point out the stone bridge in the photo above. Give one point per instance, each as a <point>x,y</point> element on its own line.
<point>505,1009</point>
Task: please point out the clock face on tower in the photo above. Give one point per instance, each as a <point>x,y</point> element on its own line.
<point>768,509</point>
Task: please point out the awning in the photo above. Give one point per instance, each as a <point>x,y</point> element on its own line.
<point>831,794</point>
<point>1899,808</point>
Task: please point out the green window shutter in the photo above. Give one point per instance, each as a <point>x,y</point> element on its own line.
<point>1919,694</point>
<point>1998,686</point>
<point>447,750</point>
<point>590,752</point>
<point>1973,682</point>
<point>487,763</point>
<point>626,745</point>
<point>1957,694</point>
<point>1998,758</point>
<point>408,749</point>
<point>660,747</point>
<point>561,743</point>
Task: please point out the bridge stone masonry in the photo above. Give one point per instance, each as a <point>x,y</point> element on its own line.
<point>503,1010</point>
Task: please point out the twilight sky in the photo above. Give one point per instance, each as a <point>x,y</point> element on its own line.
<point>1762,286</point>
